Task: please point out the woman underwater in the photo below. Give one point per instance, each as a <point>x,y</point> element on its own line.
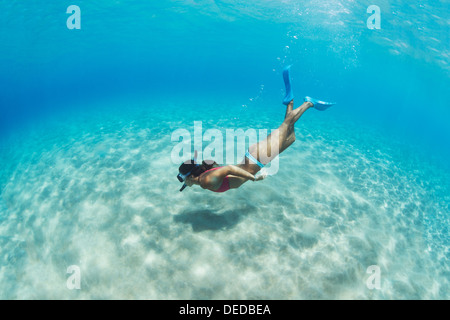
<point>210,176</point>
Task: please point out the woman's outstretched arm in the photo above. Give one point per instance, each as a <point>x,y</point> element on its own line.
<point>237,176</point>
<point>239,172</point>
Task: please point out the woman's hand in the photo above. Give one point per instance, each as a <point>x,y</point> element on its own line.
<point>262,175</point>
<point>259,178</point>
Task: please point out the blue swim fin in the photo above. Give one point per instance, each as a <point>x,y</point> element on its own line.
<point>287,81</point>
<point>319,105</point>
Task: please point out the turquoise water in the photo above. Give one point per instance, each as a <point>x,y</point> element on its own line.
<point>87,177</point>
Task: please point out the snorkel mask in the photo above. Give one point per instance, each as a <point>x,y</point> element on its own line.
<point>186,170</point>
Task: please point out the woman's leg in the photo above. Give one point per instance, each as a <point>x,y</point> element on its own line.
<point>278,140</point>
<point>293,117</point>
<point>289,108</point>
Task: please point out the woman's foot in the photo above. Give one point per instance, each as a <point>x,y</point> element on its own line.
<point>308,104</point>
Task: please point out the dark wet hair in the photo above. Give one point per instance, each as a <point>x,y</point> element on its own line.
<point>189,165</point>
<point>186,167</point>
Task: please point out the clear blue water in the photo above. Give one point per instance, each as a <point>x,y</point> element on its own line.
<point>86,176</point>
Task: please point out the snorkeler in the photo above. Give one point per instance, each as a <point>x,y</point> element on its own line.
<point>209,175</point>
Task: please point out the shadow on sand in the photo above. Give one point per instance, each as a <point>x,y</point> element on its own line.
<point>202,220</point>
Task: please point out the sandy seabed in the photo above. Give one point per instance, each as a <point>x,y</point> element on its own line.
<point>100,192</point>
